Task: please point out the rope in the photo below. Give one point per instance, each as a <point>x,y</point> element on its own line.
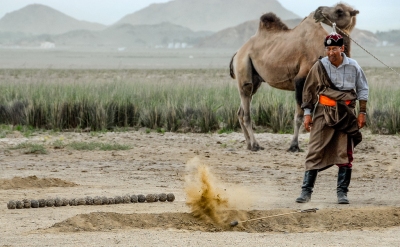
<point>334,24</point>
<point>311,210</point>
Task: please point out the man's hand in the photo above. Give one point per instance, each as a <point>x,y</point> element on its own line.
<point>361,120</point>
<point>307,122</point>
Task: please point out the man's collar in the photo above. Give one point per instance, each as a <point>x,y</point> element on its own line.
<point>345,59</point>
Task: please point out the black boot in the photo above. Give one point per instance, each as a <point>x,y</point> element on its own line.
<point>308,185</point>
<point>343,182</point>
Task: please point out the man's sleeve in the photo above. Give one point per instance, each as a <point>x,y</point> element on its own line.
<point>362,85</point>
<point>310,88</point>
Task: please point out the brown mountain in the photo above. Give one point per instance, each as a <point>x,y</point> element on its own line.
<point>210,15</point>
<point>124,35</point>
<point>391,37</point>
<point>364,37</point>
<point>161,34</point>
<point>235,37</point>
<point>40,19</point>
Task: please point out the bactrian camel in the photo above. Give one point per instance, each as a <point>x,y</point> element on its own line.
<point>282,57</point>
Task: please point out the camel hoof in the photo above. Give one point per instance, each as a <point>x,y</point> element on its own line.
<point>294,149</point>
<point>256,148</point>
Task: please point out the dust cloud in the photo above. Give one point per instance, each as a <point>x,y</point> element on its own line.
<point>209,198</point>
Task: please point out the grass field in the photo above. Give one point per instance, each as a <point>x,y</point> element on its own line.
<point>184,100</point>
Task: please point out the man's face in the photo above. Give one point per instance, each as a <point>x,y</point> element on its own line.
<point>334,54</point>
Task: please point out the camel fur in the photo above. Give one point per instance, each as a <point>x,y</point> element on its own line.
<point>282,57</point>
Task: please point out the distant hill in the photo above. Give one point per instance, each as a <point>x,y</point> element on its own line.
<point>364,37</point>
<point>209,15</point>
<point>78,38</point>
<point>235,37</point>
<point>161,35</point>
<point>235,21</point>
<point>124,35</point>
<point>40,19</point>
<point>389,37</point>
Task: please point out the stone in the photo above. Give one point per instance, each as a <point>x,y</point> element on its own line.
<point>89,200</point>
<point>104,200</point>
<point>134,198</point>
<point>72,202</point>
<point>42,203</point>
<point>50,202</point>
<point>65,202</point>
<point>19,204</point>
<point>141,198</point>
<point>162,197</point>
<point>11,204</point>
<point>80,201</point>
<point>34,203</point>
<point>27,203</point>
<point>97,200</point>
<point>150,198</point>
<point>58,202</point>
<point>170,197</point>
<point>126,199</point>
<point>118,199</point>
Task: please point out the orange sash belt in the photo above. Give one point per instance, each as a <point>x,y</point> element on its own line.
<point>324,100</point>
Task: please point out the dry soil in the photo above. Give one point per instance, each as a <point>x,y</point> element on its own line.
<point>215,181</point>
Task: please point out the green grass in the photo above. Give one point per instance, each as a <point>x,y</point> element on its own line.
<point>201,100</point>
<point>160,130</point>
<point>5,130</point>
<point>225,131</point>
<point>26,131</point>
<point>58,144</point>
<point>31,148</point>
<point>89,146</point>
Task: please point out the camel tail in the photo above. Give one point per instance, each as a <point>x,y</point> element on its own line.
<point>231,71</point>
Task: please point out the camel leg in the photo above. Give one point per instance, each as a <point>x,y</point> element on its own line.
<point>245,118</point>
<point>298,121</point>
<point>240,114</point>
<point>248,82</point>
<point>299,113</point>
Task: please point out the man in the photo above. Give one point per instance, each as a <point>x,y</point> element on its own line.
<point>330,92</point>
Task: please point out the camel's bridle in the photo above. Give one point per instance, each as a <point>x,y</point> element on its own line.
<point>334,25</point>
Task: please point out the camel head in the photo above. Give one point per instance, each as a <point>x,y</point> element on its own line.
<point>343,15</point>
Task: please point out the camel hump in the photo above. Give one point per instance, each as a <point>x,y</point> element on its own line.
<point>270,21</point>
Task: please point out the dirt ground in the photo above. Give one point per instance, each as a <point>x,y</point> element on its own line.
<point>215,181</point>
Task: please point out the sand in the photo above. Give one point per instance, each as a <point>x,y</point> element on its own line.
<point>215,181</point>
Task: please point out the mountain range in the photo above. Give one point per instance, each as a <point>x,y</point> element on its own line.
<point>206,15</point>
<point>178,23</point>
<point>40,19</point>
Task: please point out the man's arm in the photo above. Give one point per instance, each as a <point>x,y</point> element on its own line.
<point>310,95</point>
<point>308,122</point>
<point>362,115</point>
<point>362,92</point>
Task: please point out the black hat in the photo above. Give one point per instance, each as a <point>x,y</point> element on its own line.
<point>333,39</point>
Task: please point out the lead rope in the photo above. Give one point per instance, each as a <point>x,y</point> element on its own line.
<point>335,27</point>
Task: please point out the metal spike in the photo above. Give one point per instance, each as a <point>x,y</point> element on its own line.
<point>334,27</point>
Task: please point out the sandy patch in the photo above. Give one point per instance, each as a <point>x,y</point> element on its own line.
<point>33,182</point>
<point>215,181</point>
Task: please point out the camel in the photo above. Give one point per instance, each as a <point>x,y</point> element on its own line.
<point>282,57</point>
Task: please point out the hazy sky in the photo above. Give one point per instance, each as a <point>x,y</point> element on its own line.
<point>374,15</point>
